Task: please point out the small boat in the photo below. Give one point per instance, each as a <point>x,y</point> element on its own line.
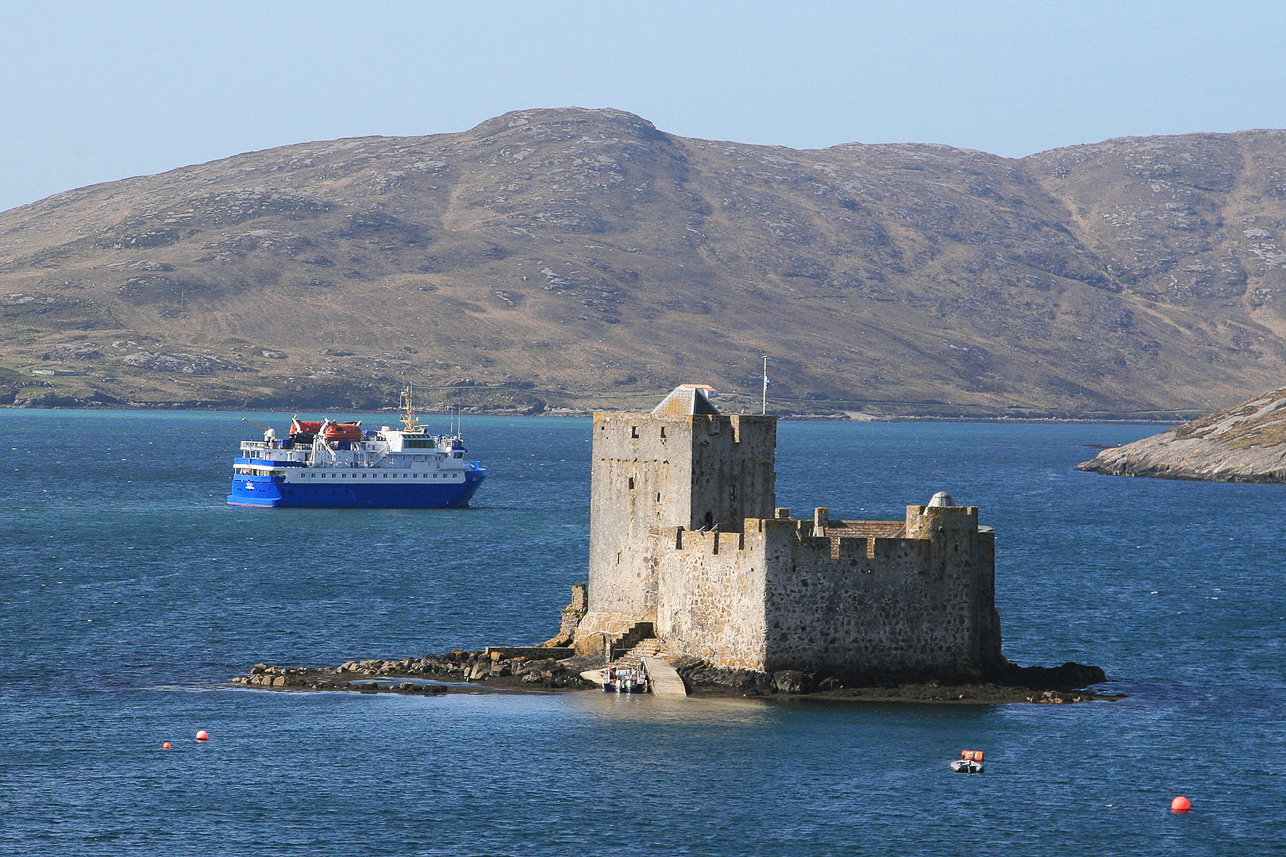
<point>625,680</point>
<point>970,762</point>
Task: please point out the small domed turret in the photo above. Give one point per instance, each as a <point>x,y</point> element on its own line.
<point>942,498</point>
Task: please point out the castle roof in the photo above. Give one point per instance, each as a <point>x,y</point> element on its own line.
<point>687,400</point>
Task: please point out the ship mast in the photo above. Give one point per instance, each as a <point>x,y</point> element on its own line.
<point>408,415</point>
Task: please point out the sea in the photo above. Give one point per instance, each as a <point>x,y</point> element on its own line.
<point>131,594</point>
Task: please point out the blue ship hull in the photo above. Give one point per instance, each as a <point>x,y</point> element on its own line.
<point>275,492</point>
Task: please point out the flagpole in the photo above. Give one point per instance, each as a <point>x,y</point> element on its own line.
<point>763,410</point>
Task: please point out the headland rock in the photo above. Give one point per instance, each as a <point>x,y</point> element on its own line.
<point>1243,443</point>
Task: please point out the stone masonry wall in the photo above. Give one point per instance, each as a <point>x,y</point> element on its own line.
<point>639,482</point>
<point>733,471</point>
<point>710,603</point>
<point>879,604</point>
<point>777,597</point>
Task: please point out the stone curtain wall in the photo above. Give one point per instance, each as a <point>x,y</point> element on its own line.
<point>777,597</point>
<point>710,603</point>
<point>882,604</point>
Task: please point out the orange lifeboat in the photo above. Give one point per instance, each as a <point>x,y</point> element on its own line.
<point>344,431</point>
<point>298,426</point>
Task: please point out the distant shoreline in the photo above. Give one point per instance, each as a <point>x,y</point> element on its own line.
<point>587,413</point>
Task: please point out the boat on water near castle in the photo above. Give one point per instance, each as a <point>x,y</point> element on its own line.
<point>326,463</point>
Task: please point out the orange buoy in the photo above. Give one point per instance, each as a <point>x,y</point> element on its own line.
<point>202,735</point>
<point>1180,804</point>
<point>165,746</point>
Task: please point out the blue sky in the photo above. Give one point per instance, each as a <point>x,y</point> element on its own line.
<point>93,92</point>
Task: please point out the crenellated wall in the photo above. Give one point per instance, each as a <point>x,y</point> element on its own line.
<point>776,597</point>
<point>883,604</point>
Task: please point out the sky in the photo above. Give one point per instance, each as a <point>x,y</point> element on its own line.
<point>93,92</point>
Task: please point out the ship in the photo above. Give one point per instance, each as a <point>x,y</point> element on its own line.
<point>333,464</point>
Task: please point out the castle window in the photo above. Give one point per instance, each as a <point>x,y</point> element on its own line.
<point>662,431</point>
<point>634,431</point>
<point>631,483</point>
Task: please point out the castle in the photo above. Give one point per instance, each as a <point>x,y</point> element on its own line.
<point>686,544</point>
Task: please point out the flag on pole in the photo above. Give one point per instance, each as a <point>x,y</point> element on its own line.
<point>763,409</point>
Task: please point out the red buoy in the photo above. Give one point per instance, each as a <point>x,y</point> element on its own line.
<point>202,735</point>
<point>1180,804</point>
<point>165,746</point>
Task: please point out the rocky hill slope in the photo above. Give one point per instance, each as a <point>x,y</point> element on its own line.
<point>583,258</point>
<point>1244,443</point>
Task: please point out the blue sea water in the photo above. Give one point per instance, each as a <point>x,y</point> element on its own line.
<point>131,593</point>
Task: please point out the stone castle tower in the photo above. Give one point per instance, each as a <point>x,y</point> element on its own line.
<point>683,465</point>
<point>686,544</point>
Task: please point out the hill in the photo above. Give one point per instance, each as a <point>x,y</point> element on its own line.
<point>580,258</point>
<point>1244,443</point>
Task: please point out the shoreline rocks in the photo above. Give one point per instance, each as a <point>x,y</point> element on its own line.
<point>431,674</point>
<point>459,671</point>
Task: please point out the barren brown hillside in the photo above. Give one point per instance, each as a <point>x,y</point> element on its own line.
<point>583,258</point>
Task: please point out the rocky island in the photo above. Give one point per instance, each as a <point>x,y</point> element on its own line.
<point>697,576</point>
<point>1243,443</point>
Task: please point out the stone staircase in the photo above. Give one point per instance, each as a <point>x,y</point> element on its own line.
<point>634,655</point>
<point>638,633</point>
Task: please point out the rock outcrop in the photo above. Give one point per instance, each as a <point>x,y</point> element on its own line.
<point>1244,443</point>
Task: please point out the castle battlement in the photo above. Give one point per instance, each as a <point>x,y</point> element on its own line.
<point>685,535</point>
